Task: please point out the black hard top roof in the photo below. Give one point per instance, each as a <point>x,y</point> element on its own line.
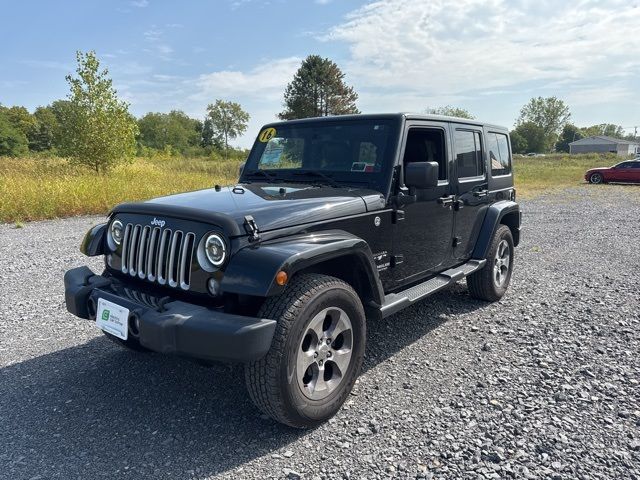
<point>389,116</point>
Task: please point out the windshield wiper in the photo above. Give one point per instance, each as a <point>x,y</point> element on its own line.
<point>313,173</point>
<point>268,175</point>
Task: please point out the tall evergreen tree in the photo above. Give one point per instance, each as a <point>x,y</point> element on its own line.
<point>317,90</point>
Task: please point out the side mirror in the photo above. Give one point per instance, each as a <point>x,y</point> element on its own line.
<point>421,175</point>
<point>241,168</point>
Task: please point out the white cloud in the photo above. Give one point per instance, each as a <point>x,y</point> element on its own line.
<point>140,3</point>
<point>444,48</point>
<point>266,82</point>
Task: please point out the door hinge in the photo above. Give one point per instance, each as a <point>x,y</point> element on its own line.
<point>456,241</point>
<point>396,260</point>
<point>251,228</point>
<point>398,215</point>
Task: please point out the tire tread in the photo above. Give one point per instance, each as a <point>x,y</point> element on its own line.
<point>480,283</point>
<point>261,375</point>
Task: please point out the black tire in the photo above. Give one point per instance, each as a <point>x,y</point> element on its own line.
<point>596,178</point>
<point>130,343</point>
<point>273,382</point>
<point>483,284</point>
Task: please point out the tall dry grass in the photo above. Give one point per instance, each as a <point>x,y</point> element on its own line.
<point>39,188</point>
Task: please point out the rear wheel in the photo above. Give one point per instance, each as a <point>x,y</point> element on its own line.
<point>596,178</point>
<point>491,282</point>
<point>316,354</point>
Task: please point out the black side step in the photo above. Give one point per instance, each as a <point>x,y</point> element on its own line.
<point>394,302</point>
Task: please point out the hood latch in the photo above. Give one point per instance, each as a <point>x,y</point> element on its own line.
<point>252,228</point>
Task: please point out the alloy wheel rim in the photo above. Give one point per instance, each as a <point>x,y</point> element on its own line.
<point>596,178</point>
<point>502,263</point>
<point>324,354</point>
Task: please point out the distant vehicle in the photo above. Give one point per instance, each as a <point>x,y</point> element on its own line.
<point>623,172</point>
<point>534,154</point>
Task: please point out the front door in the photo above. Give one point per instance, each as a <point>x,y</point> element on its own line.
<point>471,187</point>
<point>422,237</point>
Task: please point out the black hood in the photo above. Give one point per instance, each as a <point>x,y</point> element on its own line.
<point>272,206</point>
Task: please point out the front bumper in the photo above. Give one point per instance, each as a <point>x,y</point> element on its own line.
<point>171,326</point>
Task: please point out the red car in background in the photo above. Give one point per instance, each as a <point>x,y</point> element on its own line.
<point>623,172</point>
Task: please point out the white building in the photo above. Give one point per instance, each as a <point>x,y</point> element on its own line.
<point>604,144</point>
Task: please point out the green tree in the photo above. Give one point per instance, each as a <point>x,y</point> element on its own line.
<point>534,136</point>
<point>174,129</point>
<point>61,109</point>
<point>570,133</point>
<point>209,138</point>
<point>98,130</point>
<point>20,118</point>
<point>550,114</point>
<point>228,121</point>
<point>318,89</point>
<point>450,111</point>
<point>518,142</point>
<point>608,129</point>
<point>41,136</point>
<point>13,142</point>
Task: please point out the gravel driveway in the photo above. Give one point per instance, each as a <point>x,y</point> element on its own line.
<point>544,384</point>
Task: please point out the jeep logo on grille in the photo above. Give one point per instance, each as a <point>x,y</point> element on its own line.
<point>159,223</point>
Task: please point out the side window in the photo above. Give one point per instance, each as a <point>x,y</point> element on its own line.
<point>469,157</point>
<point>427,145</point>
<point>499,155</point>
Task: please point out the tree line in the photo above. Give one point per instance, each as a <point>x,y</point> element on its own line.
<point>94,127</point>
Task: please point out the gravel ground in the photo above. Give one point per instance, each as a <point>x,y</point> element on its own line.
<point>543,384</point>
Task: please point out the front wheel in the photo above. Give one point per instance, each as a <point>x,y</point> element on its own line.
<point>316,353</point>
<point>490,283</point>
<point>596,178</point>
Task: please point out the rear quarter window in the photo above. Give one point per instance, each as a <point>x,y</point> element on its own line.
<point>499,154</point>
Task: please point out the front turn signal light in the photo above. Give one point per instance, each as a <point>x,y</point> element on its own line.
<point>281,278</point>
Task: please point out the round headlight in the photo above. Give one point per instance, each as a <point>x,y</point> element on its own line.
<point>215,249</point>
<point>117,231</point>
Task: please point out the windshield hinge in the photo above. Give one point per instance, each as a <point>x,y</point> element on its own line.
<point>252,228</point>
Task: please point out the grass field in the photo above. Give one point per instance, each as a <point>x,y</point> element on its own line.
<point>536,175</point>
<point>42,188</point>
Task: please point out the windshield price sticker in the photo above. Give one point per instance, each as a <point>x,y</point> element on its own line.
<point>267,134</point>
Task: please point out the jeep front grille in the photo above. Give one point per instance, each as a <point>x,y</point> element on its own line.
<point>158,255</point>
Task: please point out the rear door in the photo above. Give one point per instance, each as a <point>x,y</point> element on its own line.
<point>471,187</point>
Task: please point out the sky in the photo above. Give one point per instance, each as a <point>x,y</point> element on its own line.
<point>488,56</point>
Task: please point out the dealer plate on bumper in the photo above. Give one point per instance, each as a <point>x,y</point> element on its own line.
<point>113,318</point>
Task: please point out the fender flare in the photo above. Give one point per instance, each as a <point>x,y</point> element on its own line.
<point>252,270</point>
<point>503,212</point>
<point>94,241</point>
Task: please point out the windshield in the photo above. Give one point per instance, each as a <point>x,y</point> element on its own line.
<point>357,152</point>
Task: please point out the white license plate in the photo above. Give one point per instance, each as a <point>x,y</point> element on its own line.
<point>113,318</point>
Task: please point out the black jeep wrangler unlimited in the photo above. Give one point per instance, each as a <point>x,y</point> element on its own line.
<point>334,221</point>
